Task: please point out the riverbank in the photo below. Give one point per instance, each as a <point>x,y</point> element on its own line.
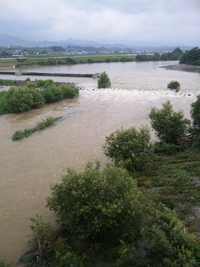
<point>33,164</point>
<point>183,67</point>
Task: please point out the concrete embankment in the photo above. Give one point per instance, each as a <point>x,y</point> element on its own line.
<point>18,73</point>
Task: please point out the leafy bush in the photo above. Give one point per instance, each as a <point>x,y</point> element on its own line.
<point>164,241</point>
<point>18,100</point>
<point>128,147</point>
<point>195,114</point>
<point>2,102</point>
<point>52,94</point>
<point>174,85</point>
<point>38,99</point>
<point>31,85</point>
<point>21,99</point>
<point>68,90</point>
<point>170,126</point>
<point>96,204</point>
<point>104,80</point>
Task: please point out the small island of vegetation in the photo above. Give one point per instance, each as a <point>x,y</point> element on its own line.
<point>18,135</point>
<point>34,95</point>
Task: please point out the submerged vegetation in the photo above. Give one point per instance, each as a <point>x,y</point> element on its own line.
<point>18,135</point>
<point>174,85</point>
<point>34,95</point>
<point>125,215</point>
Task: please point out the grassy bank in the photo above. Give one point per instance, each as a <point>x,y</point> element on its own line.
<point>18,135</point>
<point>174,180</point>
<point>69,60</point>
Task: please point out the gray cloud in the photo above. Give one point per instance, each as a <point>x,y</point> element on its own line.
<point>174,22</point>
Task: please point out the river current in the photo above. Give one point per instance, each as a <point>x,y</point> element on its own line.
<point>30,166</point>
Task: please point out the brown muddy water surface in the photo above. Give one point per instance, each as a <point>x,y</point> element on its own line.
<point>30,166</point>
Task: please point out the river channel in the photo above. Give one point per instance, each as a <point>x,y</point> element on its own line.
<point>30,166</point>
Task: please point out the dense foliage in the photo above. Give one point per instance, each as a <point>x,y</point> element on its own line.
<point>174,55</point>
<point>174,85</point>
<point>21,99</point>
<point>102,216</point>
<point>34,95</point>
<point>170,126</point>
<point>195,114</point>
<point>104,80</point>
<point>191,57</point>
<point>128,147</point>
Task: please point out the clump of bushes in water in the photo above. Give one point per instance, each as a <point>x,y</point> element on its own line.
<point>174,85</point>
<point>18,135</point>
<point>104,80</point>
<point>33,95</point>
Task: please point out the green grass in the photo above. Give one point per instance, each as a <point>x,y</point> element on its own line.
<point>18,135</point>
<point>173,180</point>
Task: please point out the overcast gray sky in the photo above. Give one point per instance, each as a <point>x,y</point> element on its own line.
<point>162,22</point>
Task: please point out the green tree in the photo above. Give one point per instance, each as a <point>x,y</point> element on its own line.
<point>104,80</point>
<point>96,204</point>
<point>195,114</point>
<point>128,147</point>
<point>170,126</point>
<point>191,57</point>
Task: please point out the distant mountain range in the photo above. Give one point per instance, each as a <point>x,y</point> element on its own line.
<point>8,40</point>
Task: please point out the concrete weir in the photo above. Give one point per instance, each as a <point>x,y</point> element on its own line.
<point>18,73</point>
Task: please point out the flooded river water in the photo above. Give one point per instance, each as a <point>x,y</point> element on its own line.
<point>30,166</point>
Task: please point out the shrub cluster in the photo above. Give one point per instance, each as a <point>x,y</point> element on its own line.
<point>104,80</point>
<point>33,95</point>
<point>174,85</point>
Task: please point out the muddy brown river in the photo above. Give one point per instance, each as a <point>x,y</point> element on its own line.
<point>30,166</point>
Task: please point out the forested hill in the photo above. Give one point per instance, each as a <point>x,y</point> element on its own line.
<point>191,57</point>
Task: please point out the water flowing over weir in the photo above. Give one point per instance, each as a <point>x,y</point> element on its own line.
<point>30,166</point>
